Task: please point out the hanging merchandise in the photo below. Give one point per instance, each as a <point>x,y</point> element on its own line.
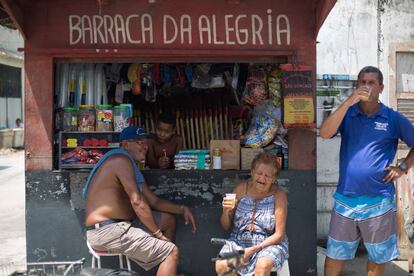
<point>64,85</point>
<point>201,77</point>
<point>80,85</point>
<point>104,117</point>
<point>119,93</point>
<point>122,117</point>
<point>134,77</point>
<point>90,83</point>
<point>264,125</point>
<point>72,84</point>
<point>255,90</point>
<point>86,118</point>
<point>99,81</point>
<point>274,80</point>
<point>298,96</point>
<point>150,90</point>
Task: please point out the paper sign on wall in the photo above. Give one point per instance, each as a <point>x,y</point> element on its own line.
<point>298,100</point>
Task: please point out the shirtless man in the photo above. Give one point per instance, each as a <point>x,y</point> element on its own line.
<point>116,194</point>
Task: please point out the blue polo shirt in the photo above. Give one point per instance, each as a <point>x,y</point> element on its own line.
<point>368,146</point>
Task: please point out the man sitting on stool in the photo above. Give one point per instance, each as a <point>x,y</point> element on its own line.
<point>116,194</point>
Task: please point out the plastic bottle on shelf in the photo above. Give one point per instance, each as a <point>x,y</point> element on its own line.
<point>216,159</point>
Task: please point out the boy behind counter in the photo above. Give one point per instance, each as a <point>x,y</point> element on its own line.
<point>165,144</point>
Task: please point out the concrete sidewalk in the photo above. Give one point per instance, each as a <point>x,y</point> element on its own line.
<point>357,266</point>
<point>12,212</point>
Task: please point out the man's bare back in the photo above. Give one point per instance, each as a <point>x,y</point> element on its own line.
<point>107,197</point>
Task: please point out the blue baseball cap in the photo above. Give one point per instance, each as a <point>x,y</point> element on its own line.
<point>132,133</point>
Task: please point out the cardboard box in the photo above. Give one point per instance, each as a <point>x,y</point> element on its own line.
<point>247,156</point>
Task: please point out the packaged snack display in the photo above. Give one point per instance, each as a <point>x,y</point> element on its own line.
<point>104,117</point>
<point>86,118</point>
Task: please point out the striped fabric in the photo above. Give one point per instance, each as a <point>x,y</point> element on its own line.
<point>253,222</point>
<point>371,218</point>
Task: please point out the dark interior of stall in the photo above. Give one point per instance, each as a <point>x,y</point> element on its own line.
<point>226,114</point>
<point>237,102</point>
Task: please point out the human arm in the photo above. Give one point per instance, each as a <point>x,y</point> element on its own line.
<point>394,172</point>
<point>331,124</point>
<point>151,160</point>
<point>167,206</point>
<point>280,225</point>
<point>126,176</point>
<point>227,214</point>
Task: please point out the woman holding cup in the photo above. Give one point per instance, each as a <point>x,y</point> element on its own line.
<point>257,219</point>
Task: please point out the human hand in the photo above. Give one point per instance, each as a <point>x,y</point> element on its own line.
<point>188,217</point>
<point>248,253</point>
<point>228,205</point>
<point>361,93</point>
<point>164,162</point>
<point>393,174</point>
<point>159,235</point>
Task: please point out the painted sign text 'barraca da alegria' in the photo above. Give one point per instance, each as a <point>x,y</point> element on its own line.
<point>267,29</point>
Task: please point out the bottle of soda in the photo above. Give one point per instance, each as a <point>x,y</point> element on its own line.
<point>279,158</point>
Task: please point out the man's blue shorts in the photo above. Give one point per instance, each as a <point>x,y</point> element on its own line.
<point>372,218</point>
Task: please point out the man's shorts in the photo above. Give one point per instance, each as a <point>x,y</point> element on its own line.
<point>132,241</point>
<point>372,218</point>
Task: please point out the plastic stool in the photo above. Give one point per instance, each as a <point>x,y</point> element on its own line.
<point>284,271</point>
<point>97,254</point>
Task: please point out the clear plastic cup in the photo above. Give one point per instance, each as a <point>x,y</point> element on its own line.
<point>232,197</point>
<point>366,96</point>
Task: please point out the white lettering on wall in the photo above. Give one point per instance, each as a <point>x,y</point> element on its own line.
<point>269,26</point>
<point>109,27</point>
<point>119,28</point>
<point>127,30</point>
<point>229,29</point>
<point>74,29</point>
<point>280,30</point>
<point>146,27</point>
<point>257,29</point>
<point>242,31</point>
<point>86,27</point>
<point>204,27</point>
<point>185,24</point>
<point>175,29</point>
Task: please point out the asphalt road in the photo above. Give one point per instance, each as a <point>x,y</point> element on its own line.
<point>12,212</point>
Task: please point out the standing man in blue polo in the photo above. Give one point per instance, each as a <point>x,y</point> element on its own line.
<point>364,205</point>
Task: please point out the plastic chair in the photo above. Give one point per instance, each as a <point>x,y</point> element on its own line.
<point>284,271</point>
<point>97,254</point>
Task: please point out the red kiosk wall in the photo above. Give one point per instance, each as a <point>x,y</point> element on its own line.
<point>49,38</point>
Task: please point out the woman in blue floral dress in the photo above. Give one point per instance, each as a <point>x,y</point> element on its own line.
<point>258,220</point>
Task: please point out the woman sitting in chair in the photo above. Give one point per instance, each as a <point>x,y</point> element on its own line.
<point>257,221</point>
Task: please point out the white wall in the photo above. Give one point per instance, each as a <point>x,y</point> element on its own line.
<point>10,41</point>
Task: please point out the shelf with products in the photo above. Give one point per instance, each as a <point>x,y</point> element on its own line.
<point>82,150</point>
